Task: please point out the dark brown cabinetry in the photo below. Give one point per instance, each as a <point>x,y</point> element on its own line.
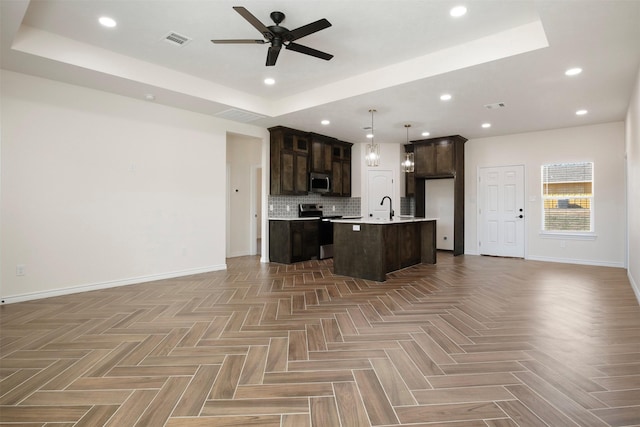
<point>371,250</point>
<point>410,184</point>
<point>438,158</point>
<point>289,161</point>
<point>294,154</point>
<point>341,169</point>
<point>293,240</point>
<point>321,152</point>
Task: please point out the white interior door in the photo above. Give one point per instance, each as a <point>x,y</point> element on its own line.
<point>501,211</point>
<point>380,184</point>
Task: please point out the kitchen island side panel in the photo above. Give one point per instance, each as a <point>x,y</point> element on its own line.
<point>359,253</point>
<point>428,242</point>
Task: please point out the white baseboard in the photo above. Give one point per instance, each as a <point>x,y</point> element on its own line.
<point>577,261</point>
<point>567,261</point>
<point>634,285</point>
<point>110,284</point>
<point>239,253</point>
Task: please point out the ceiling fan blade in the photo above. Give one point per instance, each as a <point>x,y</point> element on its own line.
<point>238,41</point>
<point>254,21</point>
<point>309,51</point>
<point>272,56</point>
<point>305,30</point>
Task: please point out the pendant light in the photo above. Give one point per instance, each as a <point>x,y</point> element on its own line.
<point>409,163</point>
<point>373,149</point>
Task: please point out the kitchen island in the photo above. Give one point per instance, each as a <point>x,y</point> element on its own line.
<point>371,248</point>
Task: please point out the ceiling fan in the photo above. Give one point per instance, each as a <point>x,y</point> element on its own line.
<point>279,36</point>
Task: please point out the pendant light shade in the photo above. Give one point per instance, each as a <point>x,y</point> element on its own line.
<point>408,165</point>
<point>372,154</point>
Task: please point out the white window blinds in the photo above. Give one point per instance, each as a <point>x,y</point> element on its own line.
<point>567,195</point>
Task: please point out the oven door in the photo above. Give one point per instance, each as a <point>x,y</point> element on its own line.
<point>326,237</point>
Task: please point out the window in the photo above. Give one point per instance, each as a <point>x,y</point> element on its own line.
<point>567,195</point>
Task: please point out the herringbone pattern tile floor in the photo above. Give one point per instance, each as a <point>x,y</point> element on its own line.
<point>470,341</point>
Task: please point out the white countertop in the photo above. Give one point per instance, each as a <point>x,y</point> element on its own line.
<point>294,218</point>
<point>399,219</point>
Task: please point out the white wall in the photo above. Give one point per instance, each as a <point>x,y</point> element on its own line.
<point>439,203</point>
<point>243,154</point>
<point>603,144</point>
<point>101,190</point>
<point>632,146</point>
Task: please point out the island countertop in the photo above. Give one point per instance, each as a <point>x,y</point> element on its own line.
<point>294,218</point>
<point>396,220</point>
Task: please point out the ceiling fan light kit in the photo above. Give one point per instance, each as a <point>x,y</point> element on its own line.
<point>278,36</point>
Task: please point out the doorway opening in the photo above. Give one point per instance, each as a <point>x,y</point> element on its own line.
<point>244,195</point>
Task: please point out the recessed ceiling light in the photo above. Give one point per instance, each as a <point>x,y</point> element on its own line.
<point>581,112</point>
<point>107,22</point>
<point>573,71</point>
<point>425,134</point>
<point>445,97</point>
<point>458,11</point>
<point>269,81</point>
<point>325,122</point>
<point>369,135</point>
<point>149,97</point>
<point>486,125</point>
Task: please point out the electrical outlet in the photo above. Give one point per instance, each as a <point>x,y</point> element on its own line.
<point>288,208</point>
<point>21,270</point>
<point>333,208</point>
<point>270,208</point>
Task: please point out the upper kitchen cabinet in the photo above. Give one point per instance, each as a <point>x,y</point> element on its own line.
<point>341,169</point>
<point>321,153</point>
<point>438,157</point>
<point>289,161</point>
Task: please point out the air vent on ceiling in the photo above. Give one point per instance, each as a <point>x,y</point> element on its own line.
<point>176,39</point>
<point>239,115</point>
<point>495,105</point>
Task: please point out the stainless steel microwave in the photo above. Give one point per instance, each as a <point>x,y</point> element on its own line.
<point>319,183</point>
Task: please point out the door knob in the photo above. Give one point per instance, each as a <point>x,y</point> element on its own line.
<point>520,216</point>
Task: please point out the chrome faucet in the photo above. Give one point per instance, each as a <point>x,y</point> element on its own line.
<point>390,207</point>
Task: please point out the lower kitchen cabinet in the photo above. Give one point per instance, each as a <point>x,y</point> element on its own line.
<point>293,240</point>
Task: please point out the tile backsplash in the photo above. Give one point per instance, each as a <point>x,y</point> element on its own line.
<point>407,206</point>
<point>344,206</point>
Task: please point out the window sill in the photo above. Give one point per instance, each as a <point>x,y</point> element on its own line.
<point>567,235</point>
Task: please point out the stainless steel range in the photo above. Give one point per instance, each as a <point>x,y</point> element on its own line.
<point>314,210</point>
